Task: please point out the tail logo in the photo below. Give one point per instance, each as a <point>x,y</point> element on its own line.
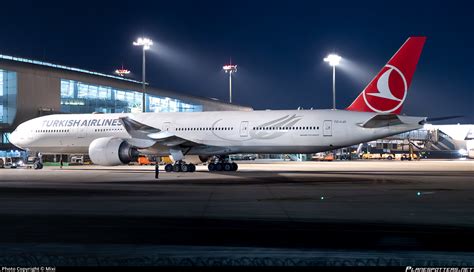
<point>388,94</point>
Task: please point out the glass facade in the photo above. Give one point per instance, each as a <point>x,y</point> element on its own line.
<point>8,91</point>
<point>5,137</point>
<point>166,104</point>
<point>79,97</point>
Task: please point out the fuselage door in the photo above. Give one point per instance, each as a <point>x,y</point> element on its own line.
<point>167,126</point>
<point>81,132</point>
<point>244,129</point>
<point>30,135</point>
<point>327,128</point>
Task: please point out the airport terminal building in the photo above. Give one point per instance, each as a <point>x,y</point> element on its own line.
<point>30,89</point>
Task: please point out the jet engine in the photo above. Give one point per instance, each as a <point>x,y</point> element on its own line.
<point>109,151</point>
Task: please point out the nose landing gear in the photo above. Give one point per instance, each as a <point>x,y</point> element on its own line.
<point>38,164</point>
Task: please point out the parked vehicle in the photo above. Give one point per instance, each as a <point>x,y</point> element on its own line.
<point>6,162</point>
<point>143,160</point>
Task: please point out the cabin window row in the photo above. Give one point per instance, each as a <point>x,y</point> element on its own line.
<point>52,130</point>
<point>204,129</point>
<point>285,128</point>
<point>107,129</point>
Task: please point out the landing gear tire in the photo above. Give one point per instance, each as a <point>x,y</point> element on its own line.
<point>185,167</point>
<point>180,167</point>
<point>222,166</point>
<point>227,167</point>
<point>177,168</point>
<point>169,168</point>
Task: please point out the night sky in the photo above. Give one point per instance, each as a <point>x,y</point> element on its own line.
<point>278,46</point>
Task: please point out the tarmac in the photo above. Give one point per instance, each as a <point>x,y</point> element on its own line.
<point>320,213</point>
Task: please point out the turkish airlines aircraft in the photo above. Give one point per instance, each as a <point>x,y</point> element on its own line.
<point>193,137</point>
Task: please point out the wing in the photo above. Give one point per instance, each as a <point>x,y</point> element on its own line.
<point>144,136</point>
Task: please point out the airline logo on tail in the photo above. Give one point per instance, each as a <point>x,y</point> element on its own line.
<point>388,90</point>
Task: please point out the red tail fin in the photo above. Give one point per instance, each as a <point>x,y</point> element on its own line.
<point>387,91</point>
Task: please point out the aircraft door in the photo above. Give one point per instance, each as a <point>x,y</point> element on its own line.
<point>327,128</point>
<point>81,132</point>
<point>167,126</point>
<point>244,129</point>
<point>30,135</point>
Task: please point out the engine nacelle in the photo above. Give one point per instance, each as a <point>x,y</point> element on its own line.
<point>110,151</point>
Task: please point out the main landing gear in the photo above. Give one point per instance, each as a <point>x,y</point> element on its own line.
<point>222,164</point>
<point>180,167</point>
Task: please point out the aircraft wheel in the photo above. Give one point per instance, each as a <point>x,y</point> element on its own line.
<point>227,167</point>
<point>192,167</point>
<point>234,166</point>
<point>169,168</point>
<point>177,168</point>
<point>218,167</point>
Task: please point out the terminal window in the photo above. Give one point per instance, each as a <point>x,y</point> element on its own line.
<point>167,104</point>
<point>80,97</point>
<point>5,138</point>
<point>7,96</point>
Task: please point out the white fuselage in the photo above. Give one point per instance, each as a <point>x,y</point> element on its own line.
<point>278,131</point>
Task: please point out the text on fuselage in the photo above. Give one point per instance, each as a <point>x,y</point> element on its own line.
<point>82,123</point>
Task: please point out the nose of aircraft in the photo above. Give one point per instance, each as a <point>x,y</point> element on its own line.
<point>15,139</point>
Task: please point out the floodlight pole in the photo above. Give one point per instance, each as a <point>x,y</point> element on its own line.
<point>334,87</point>
<point>230,68</point>
<point>143,81</point>
<point>230,86</point>
<point>333,61</point>
<point>145,43</point>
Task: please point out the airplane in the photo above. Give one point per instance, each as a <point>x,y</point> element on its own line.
<point>195,137</point>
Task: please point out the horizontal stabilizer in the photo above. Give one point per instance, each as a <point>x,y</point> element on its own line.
<point>434,119</point>
<point>382,120</point>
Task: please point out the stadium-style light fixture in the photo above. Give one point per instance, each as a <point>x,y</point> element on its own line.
<point>145,43</point>
<point>122,71</point>
<point>333,61</point>
<point>230,69</point>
